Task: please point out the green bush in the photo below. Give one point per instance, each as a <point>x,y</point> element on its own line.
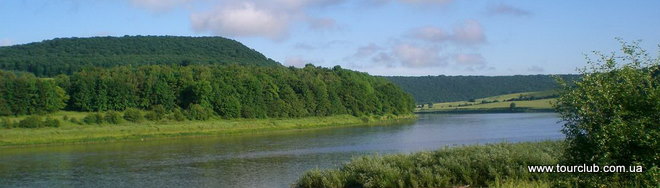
<point>133,115</point>
<point>75,121</point>
<point>6,123</point>
<point>31,122</point>
<point>113,117</point>
<point>152,116</point>
<point>93,118</point>
<point>198,112</point>
<point>50,122</point>
<point>473,166</point>
<point>612,117</point>
<point>177,115</point>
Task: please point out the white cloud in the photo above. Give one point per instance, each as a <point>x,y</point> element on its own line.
<point>470,33</point>
<point>504,9</point>
<point>159,5</point>
<point>431,34</point>
<point>244,20</point>
<point>6,42</point>
<point>470,59</point>
<point>411,55</point>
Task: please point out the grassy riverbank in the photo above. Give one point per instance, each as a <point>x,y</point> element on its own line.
<point>75,133</point>
<point>494,165</point>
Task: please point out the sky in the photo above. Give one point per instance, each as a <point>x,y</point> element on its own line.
<point>381,37</point>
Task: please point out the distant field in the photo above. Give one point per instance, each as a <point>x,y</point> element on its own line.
<point>496,103</point>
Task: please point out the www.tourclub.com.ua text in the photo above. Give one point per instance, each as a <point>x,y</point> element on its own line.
<point>585,168</point>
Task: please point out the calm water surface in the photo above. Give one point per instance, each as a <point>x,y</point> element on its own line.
<point>271,160</point>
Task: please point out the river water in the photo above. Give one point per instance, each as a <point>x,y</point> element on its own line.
<point>266,160</point>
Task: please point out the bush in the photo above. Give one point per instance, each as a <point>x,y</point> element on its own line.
<point>50,122</point>
<point>65,118</point>
<point>177,115</point>
<point>31,122</point>
<point>198,112</point>
<point>133,115</point>
<point>93,118</point>
<point>113,117</point>
<point>611,116</point>
<point>152,116</point>
<point>6,123</point>
<point>75,121</point>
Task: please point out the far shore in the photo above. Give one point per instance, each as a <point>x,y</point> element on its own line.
<point>70,134</point>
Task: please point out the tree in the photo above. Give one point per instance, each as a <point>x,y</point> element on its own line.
<point>512,106</point>
<point>612,115</point>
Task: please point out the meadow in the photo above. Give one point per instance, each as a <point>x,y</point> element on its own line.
<point>70,132</point>
<point>526,101</point>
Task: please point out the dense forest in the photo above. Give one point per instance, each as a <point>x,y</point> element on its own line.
<point>68,55</point>
<point>229,91</point>
<point>426,89</point>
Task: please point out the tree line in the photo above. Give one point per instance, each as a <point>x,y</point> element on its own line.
<point>226,91</point>
<point>23,93</point>
<point>69,55</point>
<point>430,89</point>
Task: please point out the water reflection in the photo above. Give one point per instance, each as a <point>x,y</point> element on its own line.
<point>268,160</point>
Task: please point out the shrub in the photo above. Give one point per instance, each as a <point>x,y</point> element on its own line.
<point>75,121</point>
<point>133,115</point>
<point>113,117</point>
<point>51,122</point>
<point>93,118</point>
<point>31,122</point>
<point>6,123</point>
<point>152,116</point>
<point>198,112</point>
<point>159,111</point>
<point>611,116</point>
<point>65,118</point>
<point>177,115</point>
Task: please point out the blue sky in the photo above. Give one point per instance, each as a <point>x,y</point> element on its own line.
<point>381,37</point>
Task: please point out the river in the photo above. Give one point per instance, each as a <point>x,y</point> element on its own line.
<point>265,160</point>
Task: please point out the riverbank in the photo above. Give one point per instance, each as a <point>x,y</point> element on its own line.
<point>492,165</point>
<point>486,110</point>
<point>73,133</point>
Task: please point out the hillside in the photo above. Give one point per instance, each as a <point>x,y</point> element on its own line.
<point>68,55</point>
<point>524,101</point>
<point>426,89</point>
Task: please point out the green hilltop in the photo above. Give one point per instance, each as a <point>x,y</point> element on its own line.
<point>68,55</point>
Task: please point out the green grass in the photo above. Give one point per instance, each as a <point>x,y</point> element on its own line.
<point>75,133</point>
<point>493,165</point>
<point>530,105</point>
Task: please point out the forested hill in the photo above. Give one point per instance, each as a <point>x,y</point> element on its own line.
<point>68,55</point>
<point>442,88</point>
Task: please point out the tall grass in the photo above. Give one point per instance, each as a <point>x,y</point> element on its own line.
<point>494,165</point>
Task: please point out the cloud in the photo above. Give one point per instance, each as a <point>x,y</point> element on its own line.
<point>411,55</point>
<point>244,20</point>
<point>366,51</point>
<point>6,42</point>
<point>431,34</point>
<point>469,59</point>
<point>321,24</point>
<point>469,33</point>
<point>536,69</point>
<point>421,2</point>
<point>504,9</point>
<point>159,5</point>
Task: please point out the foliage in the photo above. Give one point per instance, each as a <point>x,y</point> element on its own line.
<point>37,121</point>
<point>198,112</point>
<point>133,115</point>
<point>25,94</point>
<point>236,91</point>
<point>612,116</point>
<point>476,166</point>
<point>426,89</point>
<point>94,118</point>
<point>113,117</point>
<point>68,55</point>
<point>177,115</point>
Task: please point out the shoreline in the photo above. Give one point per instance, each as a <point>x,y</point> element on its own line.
<point>485,111</point>
<point>85,134</point>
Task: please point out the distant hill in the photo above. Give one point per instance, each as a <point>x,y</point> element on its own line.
<point>67,55</point>
<point>426,89</point>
